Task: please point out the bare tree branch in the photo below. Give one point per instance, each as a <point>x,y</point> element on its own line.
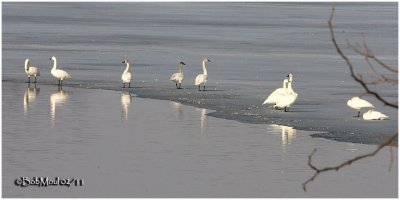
<point>367,53</point>
<point>346,59</point>
<point>388,142</point>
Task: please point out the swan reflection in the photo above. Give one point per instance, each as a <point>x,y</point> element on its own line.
<point>203,119</point>
<point>178,108</point>
<point>56,99</point>
<point>287,133</point>
<point>30,96</point>
<point>126,99</point>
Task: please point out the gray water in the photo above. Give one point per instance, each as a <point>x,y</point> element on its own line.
<point>124,146</point>
<point>252,47</point>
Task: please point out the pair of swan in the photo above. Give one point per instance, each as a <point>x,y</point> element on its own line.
<point>57,73</point>
<point>284,97</point>
<point>357,103</point>
<point>201,79</point>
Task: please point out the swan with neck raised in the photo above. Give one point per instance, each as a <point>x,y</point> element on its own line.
<point>178,77</point>
<point>202,78</point>
<point>126,75</point>
<point>374,115</point>
<point>31,71</point>
<point>58,73</point>
<point>285,101</point>
<point>357,104</point>
<point>275,95</point>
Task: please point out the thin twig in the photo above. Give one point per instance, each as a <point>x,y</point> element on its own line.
<point>344,57</point>
<point>348,162</point>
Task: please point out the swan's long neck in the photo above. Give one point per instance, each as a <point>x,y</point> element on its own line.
<point>127,67</point>
<point>180,70</point>
<point>285,83</point>
<point>27,65</point>
<point>289,88</point>
<point>54,64</point>
<point>204,68</point>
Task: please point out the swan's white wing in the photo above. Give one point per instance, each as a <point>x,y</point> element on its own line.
<point>275,96</point>
<point>200,79</point>
<point>374,115</point>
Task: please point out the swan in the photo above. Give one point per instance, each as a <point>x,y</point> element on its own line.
<point>275,95</point>
<point>31,71</point>
<point>126,75</point>
<point>374,115</point>
<point>58,73</point>
<point>178,77</point>
<point>285,101</point>
<point>357,103</point>
<point>202,78</point>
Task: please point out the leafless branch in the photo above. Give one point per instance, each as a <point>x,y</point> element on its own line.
<point>358,79</point>
<point>388,142</point>
<point>367,53</point>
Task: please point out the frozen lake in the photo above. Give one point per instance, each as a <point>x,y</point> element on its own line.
<point>134,147</point>
<point>174,150</point>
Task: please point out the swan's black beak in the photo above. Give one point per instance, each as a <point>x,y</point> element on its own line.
<point>209,60</point>
<point>50,59</point>
<point>287,76</point>
<point>182,63</point>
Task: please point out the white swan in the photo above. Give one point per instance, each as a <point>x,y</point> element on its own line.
<point>285,101</point>
<point>31,71</point>
<point>126,75</point>
<point>178,77</point>
<point>357,103</point>
<point>202,78</point>
<point>58,73</point>
<point>275,95</point>
<point>374,115</point>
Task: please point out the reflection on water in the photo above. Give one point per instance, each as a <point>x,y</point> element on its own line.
<point>203,119</point>
<point>126,99</point>
<point>30,96</point>
<point>57,98</point>
<point>287,133</point>
<point>178,108</point>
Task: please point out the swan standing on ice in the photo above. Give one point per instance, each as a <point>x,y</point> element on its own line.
<point>275,95</point>
<point>285,101</point>
<point>178,77</point>
<point>31,71</point>
<point>202,78</point>
<point>126,75</point>
<point>58,73</point>
<point>357,103</point>
<point>374,115</point>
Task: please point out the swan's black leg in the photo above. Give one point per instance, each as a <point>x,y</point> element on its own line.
<point>129,85</point>
<point>199,88</point>
<point>59,82</point>
<point>29,80</point>
<point>286,109</point>
<point>359,113</point>
<point>176,84</point>
<point>35,79</point>
<point>204,87</point>
<point>123,85</point>
<point>179,86</point>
